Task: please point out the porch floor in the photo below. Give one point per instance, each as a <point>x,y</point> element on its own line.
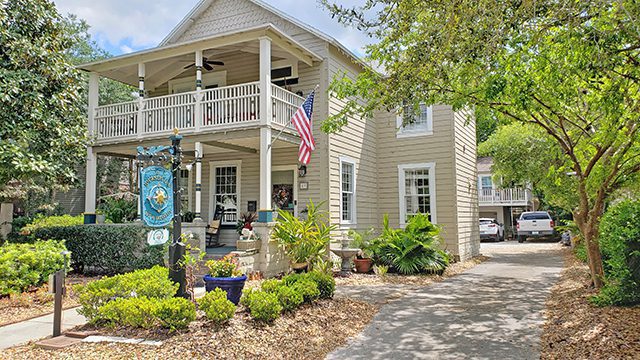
<point>220,251</point>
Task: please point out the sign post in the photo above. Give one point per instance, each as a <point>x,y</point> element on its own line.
<point>177,249</point>
<point>160,202</point>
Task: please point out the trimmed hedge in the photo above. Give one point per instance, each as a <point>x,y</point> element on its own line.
<point>106,249</point>
<point>25,265</point>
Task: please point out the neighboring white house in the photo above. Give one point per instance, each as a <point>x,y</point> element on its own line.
<point>502,203</point>
<point>230,116</point>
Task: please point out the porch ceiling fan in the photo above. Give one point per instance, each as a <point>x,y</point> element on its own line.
<point>207,64</point>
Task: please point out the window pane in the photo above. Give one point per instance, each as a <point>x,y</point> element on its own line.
<point>226,191</point>
<point>417,192</point>
<point>348,186</point>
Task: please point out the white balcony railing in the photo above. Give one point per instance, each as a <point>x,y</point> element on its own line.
<point>499,197</point>
<point>224,107</point>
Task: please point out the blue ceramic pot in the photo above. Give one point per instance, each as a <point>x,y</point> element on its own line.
<point>232,285</point>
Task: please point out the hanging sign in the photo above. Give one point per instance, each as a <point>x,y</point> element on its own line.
<point>157,196</point>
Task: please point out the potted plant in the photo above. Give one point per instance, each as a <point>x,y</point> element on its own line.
<point>226,275</point>
<point>245,220</point>
<point>363,260</point>
<point>304,241</point>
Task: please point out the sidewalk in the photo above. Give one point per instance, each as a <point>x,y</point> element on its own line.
<point>37,328</point>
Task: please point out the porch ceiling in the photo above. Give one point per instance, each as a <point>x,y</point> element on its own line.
<point>165,62</point>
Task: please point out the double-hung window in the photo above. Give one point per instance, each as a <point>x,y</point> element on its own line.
<point>417,190</point>
<point>347,191</point>
<point>415,122</point>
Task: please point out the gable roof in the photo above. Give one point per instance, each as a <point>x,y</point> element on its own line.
<point>203,5</point>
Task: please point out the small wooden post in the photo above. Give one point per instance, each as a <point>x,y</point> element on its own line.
<point>58,290</point>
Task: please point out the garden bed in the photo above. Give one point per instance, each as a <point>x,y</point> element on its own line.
<point>413,280</point>
<point>311,332</point>
<point>576,329</point>
<point>38,302</point>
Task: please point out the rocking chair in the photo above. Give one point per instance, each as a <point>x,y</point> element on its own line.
<point>213,229</point>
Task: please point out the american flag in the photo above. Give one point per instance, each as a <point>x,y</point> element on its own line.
<point>302,121</point>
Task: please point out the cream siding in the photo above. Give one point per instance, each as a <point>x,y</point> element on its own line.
<point>466,179</point>
<point>357,141</point>
<point>437,148</point>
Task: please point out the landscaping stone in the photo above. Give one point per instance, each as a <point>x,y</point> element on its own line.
<point>58,342</point>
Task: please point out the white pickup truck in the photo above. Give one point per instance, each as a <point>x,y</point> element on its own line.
<point>535,224</point>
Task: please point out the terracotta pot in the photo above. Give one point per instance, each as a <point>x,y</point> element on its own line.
<point>363,265</point>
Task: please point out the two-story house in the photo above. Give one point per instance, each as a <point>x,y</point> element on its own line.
<point>503,203</point>
<point>230,76</point>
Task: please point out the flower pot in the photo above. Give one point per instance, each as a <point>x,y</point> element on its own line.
<point>299,267</point>
<point>231,285</point>
<point>362,265</point>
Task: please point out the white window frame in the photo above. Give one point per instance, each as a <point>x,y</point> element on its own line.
<point>404,133</point>
<point>354,218</point>
<point>431,167</point>
<point>212,185</point>
<point>279,64</point>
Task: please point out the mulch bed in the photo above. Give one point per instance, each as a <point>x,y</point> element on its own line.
<point>414,280</point>
<point>37,302</point>
<point>575,329</point>
<point>310,332</point>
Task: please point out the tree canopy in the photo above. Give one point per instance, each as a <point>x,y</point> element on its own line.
<point>42,127</point>
<point>568,67</point>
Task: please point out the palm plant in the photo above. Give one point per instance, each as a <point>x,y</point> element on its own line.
<point>303,240</point>
<point>411,250</point>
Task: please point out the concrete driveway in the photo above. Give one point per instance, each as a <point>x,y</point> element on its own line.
<point>493,311</point>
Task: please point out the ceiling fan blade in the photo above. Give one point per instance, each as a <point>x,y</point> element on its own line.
<point>217,63</point>
<point>207,66</point>
<point>188,66</point>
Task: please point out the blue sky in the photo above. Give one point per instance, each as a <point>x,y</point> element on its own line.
<point>123,26</point>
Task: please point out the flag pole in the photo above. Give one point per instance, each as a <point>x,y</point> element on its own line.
<point>283,129</point>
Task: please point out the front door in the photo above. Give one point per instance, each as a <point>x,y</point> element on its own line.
<point>284,186</point>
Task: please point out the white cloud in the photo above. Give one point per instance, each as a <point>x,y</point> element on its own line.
<point>135,24</point>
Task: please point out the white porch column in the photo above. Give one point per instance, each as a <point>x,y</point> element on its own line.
<point>198,205</point>
<point>91,172</point>
<point>90,187</point>
<point>94,94</point>
<point>141,73</point>
<point>265,120</point>
<point>198,112</point>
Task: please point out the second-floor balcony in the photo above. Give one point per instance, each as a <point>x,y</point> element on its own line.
<point>505,197</point>
<point>224,108</point>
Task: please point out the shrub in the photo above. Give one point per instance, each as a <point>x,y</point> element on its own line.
<point>308,289</point>
<point>106,248</point>
<point>51,221</point>
<point>137,312</point>
<point>246,296</point>
<point>15,236</point>
<point>146,313</point>
<point>264,306</point>
<point>411,250</point>
<point>325,282</point>
<point>119,210</point>
<point>175,313</point>
<point>620,247</point>
<point>289,297</point>
<point>25,265</point>
<point>271,285</point>
<point>291,279</point>
<point>303,240</point>
<point>216,306</point>
<point>150,283</point>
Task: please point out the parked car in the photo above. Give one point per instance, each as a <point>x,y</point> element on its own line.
<point>491,229</point>
<point>535,224</point>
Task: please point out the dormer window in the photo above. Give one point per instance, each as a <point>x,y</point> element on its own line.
<point>414,122</point>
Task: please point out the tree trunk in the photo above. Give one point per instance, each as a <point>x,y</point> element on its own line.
<point>590,234</point>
